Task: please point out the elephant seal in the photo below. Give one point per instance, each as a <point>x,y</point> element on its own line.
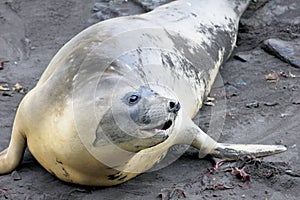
<point>118,95</point>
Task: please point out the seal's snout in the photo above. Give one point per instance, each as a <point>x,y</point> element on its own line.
<point>173,106</point>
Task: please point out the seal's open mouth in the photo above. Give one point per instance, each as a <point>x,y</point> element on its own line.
<point>167,125</point>
<point>162,127</point>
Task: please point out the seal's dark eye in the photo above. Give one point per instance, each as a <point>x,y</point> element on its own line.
<point>133,99</point>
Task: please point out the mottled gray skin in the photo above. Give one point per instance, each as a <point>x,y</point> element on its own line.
<point>79,121</point>
<point>149,113</point>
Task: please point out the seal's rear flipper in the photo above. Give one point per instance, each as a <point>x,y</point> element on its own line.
<point>236,151</point>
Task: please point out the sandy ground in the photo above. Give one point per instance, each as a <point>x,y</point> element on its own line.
<point>253,110</point>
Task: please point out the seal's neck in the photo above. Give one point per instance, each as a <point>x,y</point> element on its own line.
<point>189,133</point>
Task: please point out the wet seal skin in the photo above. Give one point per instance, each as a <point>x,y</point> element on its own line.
<point>118,95</point>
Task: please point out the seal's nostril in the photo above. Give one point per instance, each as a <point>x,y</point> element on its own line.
<point>174,106</point>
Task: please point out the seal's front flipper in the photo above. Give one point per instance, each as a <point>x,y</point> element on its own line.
<point>236,151</point>
<point>208,146</point>
<point>12,156</point>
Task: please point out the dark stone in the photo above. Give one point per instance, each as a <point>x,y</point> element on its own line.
<point>287,51</point>
<point>8,94</point>
<point>149,5</point>
<point>243,57</point>
<point>16,176</point>
<point>231,91</point>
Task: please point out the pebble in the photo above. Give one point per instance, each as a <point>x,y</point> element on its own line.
<point>271,104</point>
<point>99,6</point>
<point>237,84</point>
<point>2,63</point>
<point>4,87</point>
<point>149,5</point>
<point>287,51</point>
<point>16,176</point>
<point>243,57</point>
<point>296,21</point>
<point>231,91</point>
<point>254,104</point>
<point>241,83</point>
<point>7,94</point>
<point>110,9</point>
<point>296,101</point>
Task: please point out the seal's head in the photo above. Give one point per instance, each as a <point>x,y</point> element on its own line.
<point>151,111</point>
<point>137,120</point>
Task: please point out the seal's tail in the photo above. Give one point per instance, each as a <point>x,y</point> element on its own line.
<point>12,156</point>
<point>236,151</point>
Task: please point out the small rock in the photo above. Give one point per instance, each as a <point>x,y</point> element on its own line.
<point>104,11</point>
<point>292,75</point>
<point>7,94</point>
<point>287,51</point>
<point>18,87</point>
<point>16,176</point>
<point>254,104</point>
<point>241,83</point>
<point>2,63</point>
<point>271,77</point>
<point>292,173</point>
<point>295,97</point>
<point>210,99</point>
<point>4,87</point>
<point>296,101</point>
<point>283,74</point>
<point>271,104</point>
<point>99,6</point>
<point>242,56</point>
<point>231,91</point>
<point>296,21</point>
<point>283,115</point>
<point>149,5</point>
<point>236,84</point>
<point>209,103</point>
